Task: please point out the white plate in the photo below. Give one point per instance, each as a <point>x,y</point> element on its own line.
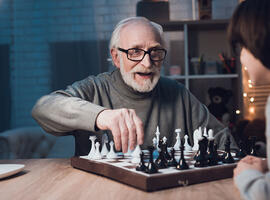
<point>10,169</point>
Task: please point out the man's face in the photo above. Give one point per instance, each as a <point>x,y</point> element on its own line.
<point>142,75</point>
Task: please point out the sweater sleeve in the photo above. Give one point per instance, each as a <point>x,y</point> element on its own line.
<point>253,184</point>
<point>64,111</point>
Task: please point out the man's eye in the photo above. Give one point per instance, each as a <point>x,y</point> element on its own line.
<point>135,51</point>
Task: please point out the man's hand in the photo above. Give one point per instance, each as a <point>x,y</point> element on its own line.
<point>125,125</point>
<point>250,162</point>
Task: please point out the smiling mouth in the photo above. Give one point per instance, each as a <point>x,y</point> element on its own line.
<point>145,74</point>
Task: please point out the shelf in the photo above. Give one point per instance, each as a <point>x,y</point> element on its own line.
<point>209,76</point>
<point>219,24</point>
<point>205,76</point>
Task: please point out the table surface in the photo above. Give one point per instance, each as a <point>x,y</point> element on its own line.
<point>57,179</point>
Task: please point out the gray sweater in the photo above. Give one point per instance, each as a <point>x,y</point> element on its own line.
<point>253,184</point>
<point>169,105</point>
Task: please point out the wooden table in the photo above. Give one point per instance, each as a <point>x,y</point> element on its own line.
<point>56,179</point>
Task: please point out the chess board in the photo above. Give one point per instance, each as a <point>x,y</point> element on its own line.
<point>123,170</point>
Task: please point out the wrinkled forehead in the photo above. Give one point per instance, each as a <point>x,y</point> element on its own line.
<point>141,33</point>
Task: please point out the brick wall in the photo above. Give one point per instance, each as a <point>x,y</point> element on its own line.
<point>30,25</point>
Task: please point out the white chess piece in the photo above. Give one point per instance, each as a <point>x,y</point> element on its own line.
<point>97,155</point>
<point>128,153</point>
<point>157,136</point>
<point>92,151</point>
<point>187,146</point>
<point>196,136</point>
<point>164,139</point>
<point>205,132</point>
<point>211,134</point>
<point>178,139</point>
<point>154,142</point>
<point>136,155</point>
<point>111,153</point>
<point>104,150</point>
<point>200,133</point>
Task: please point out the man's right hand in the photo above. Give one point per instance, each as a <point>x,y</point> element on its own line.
<point>125,125</point>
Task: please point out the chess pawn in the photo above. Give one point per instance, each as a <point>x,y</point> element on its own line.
<point>172,162</point>
<point>252,140</point>
<point>166,153</point>
<point>136,155</point>
<point>212,154</point>
<point>111,154</point>
<point>97,155</point>
<point>211,134</point>
<point>205,132</point>
<point>178,140</point>
<point>151,167</point>
<point>182,165</point>
<point>241,153</point>
<point>187,146</point>
<point>201,156</point>
<point>104,149</point>
<point>227,157</point>
<point>141,166</point>
<point>196,137</point>
<point>92,151</point>
<point>128,153</point>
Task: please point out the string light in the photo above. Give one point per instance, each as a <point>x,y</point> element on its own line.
<point>237,112</point>
<point>244,94</point>
<point>245,68</point>
<point>252,110</point>
<point>251,99</point>
<point>250,85</point>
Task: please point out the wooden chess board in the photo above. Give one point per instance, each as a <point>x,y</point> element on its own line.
<point>121,169</point>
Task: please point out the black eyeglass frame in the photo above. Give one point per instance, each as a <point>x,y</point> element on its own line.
<point>145,52</point>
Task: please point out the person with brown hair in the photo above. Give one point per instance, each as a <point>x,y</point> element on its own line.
<point>249,30</point>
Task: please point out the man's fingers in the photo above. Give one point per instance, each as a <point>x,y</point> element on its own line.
<point>139,129</point>
<point>132,130</point>
<point>116,137</point>
<point>124,135</point>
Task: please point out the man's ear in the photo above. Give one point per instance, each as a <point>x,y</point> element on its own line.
<point>115,57</point>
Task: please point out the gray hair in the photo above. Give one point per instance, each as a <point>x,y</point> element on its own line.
<point>115,38</point>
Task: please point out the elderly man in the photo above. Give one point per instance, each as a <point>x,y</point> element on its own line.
<point>129,102</point>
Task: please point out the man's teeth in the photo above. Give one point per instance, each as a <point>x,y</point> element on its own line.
<point>144,74</point>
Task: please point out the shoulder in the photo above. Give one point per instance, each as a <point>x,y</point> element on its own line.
<point>171,85</point>
<point>94,80</point>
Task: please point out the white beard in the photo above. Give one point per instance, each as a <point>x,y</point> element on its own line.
<point>128,77</point>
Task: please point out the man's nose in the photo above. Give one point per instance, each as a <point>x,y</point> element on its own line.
<point>146,61</point>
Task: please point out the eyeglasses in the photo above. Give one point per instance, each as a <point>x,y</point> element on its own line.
<point>135,54</point>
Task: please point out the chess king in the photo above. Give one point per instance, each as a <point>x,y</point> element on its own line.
<point>129,102</point>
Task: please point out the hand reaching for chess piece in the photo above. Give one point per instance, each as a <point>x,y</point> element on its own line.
<point>125,125</point>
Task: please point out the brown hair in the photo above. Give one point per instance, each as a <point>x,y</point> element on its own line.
<point>249,27</point>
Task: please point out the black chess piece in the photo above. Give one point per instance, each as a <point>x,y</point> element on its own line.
<point>182,162</point>
<point>166,153</point>
<point>241,152</point>
<point>161,161</point>
<point>141,166</point>
<point>252,147</point>
<point>227,156</point>
<point>172,162</point>
<point>212,154</point>
<point>151,167</point>
<point>201,156</point>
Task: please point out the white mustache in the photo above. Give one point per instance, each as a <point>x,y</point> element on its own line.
<point>154,70</point>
